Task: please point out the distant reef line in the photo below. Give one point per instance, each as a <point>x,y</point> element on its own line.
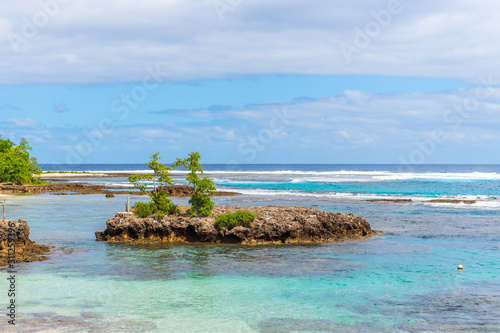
<point>66,188</point>
<point>78,174</point>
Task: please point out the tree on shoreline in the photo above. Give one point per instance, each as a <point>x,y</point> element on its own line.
<point>203,188</point>
<point>159,204</point>
<point>16,165</point>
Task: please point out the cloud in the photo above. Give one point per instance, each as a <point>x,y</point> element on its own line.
<point>353,119</point>
<point>188,40</point>
<point>9,108</point>
<point>31,129</point>
<point>220,108</point>
<point>61,107</point>
<point>350,127</point>
<point>26,123</point>
<point>167,111</point>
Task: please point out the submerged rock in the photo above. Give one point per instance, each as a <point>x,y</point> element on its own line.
<point>25,249</point>
<point>453,201</point>
<point>274,224</point>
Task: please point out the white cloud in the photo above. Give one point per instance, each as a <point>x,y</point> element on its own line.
<point>112,41</point>
<point>24,123</point>
<point>351,126</point>
<point>158,133</point>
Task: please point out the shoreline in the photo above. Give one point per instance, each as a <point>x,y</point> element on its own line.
<point>81,174</point>
<point>85,188</point>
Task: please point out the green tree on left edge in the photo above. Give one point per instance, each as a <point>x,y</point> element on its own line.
<point>16,165</point>
<point>159,204</point>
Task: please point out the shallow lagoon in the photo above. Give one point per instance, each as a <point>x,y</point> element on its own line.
<point>404,280</point>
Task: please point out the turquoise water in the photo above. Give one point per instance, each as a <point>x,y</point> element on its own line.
<point>403,280</point>
<point>424,188</point>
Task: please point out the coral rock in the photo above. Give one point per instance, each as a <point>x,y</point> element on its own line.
<point>25,249</point>
<point>274,224</point>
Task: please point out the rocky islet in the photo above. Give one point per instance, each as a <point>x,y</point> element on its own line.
<point>273,225</point>
<point>16,246</point>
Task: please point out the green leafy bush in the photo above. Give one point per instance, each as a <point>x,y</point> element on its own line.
<point>231,220</point>
<point>142,209</point>
<point>159,205</point>
<point>200,204</point>
<point>203,188</point>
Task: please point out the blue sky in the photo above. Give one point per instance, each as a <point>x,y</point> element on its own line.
<point>252,82</point>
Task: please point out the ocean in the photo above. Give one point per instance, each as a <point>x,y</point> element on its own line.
<point>433,218</point>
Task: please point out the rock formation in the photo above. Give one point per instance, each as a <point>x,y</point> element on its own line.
<point>274,224</point>
<point>25,249</point>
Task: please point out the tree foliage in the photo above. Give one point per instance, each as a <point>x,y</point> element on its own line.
<point>203,188</point>
<point>16,165</point>
<point>159,176</point>
<point>159,204</point>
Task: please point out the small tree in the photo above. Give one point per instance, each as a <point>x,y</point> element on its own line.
<point>16,165</point>
<point>159,204</point>
<point>203,188</point>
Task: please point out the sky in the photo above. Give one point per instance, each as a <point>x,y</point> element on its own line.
<point>260,81</point>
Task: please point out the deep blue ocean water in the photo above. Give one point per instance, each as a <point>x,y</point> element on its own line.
<point>403,280</point>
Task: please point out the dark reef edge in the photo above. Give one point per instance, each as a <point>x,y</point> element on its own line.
<point>25,249</point>
<point>84,188</point>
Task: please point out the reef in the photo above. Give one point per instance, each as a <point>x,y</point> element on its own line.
<point>273,225</point>
<point>83,188</point>
<point>390,200</point>
<point>14,237</point>
<point>453,201</point>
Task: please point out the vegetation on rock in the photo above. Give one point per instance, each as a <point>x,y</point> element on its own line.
<point>231,220</point>
<point>203,188</point>
<point>159,204</point>
<point>16,165</point>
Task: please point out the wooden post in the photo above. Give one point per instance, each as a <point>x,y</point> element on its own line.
<point>4,210</point>
<point>128,204</point>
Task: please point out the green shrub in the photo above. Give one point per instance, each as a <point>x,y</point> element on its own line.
<point>143,209</point>
<point>231,220</point>
<point>159,205</point>
<point>162,205</point>
<point>200,204</point>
